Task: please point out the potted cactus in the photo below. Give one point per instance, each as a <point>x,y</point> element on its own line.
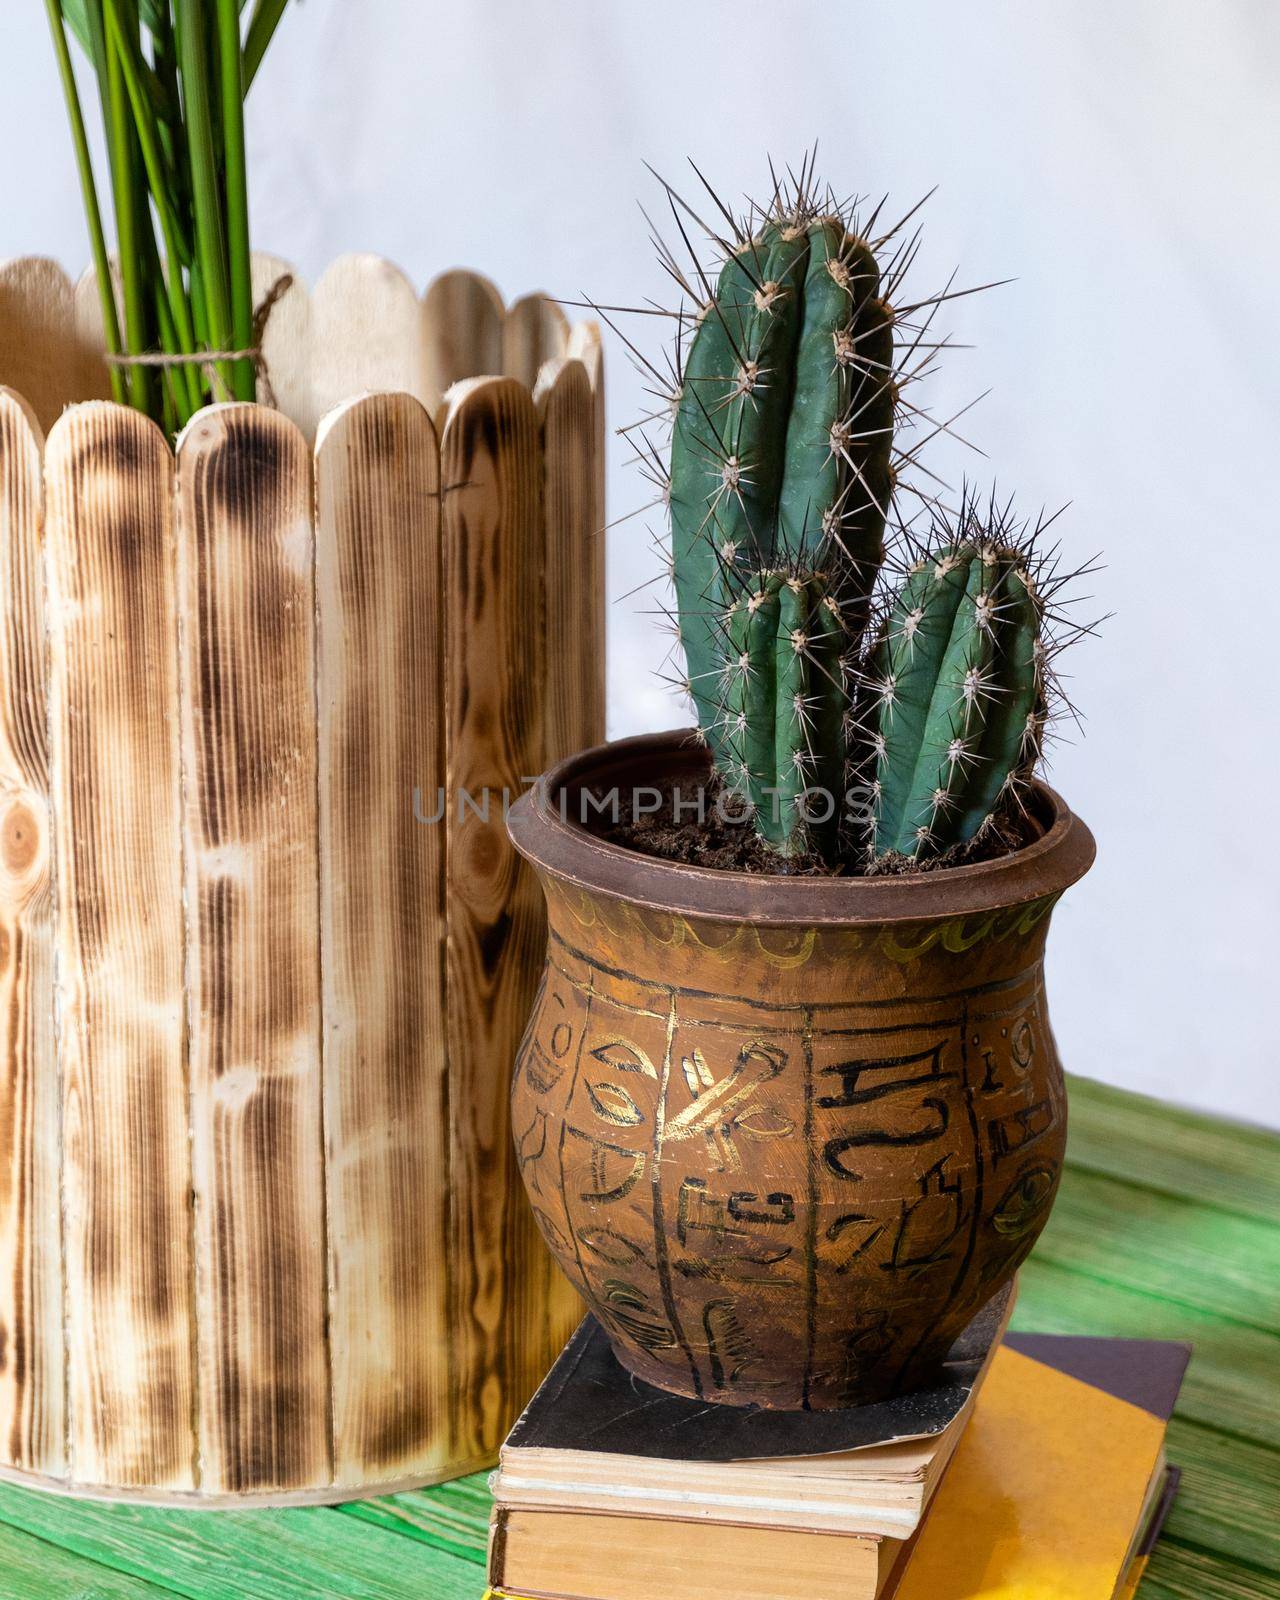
<point>789,1109</point>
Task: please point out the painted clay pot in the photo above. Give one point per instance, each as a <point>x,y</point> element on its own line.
<point>786,1135</point>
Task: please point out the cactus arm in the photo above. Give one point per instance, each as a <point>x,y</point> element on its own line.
<point>961,698</point>
<point>1010,743</point>
<point>836,483</point>
<point>767,322</point>
<point>761,612</point>
<point>960,673</point>
<point>793,740</point>
<point>828,708</point>
<point>812,471</point>
<point>726,445</point>
<point>811,709</point>
<point>908,658</point>
<point>871,417</point>
<point>701,588</point>
<point>785,706</point>
<point>727,734</point>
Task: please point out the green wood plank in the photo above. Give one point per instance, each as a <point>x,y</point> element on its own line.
<point>302,1554</point>
<point>1229,1497</point>
<point>1160,1231</point>
<point>451,1516</point>
<point>1214,1261</point>
<point>1231,1383</point>
<point>30,1569</point>
<point>1201,1158</point>
<point>1179,1573</point>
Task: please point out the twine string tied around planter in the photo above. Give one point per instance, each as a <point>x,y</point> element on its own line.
<point>208,359</point>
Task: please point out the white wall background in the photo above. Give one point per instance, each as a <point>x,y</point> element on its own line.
<point>1119,160</point>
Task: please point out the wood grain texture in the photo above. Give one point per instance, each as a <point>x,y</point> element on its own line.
<point>535,330</point>
<point>31,1337</point>
<point>257,1555</point>
<point>510,1309</point>
<point>366,332</point>
<point>44,354</point>
<point>286,341</point>
<point>314,1323</point>
<point>1220,1539</point>
<point>116,793</point>
<point>381,704</point>
<point>451,1517</point>
<point>575,654</point>
<point>462,316</point>
<point>33,1570</point>
<point>246,568</point>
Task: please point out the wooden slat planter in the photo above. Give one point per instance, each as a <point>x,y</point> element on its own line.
<point>261,1236</point>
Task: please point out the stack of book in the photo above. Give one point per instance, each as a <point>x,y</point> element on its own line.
<point>1035,1468</point>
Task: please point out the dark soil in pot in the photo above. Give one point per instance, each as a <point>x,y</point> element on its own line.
<point>702,825</point>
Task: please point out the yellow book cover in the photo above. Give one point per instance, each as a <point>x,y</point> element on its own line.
<point>1043,1495</point>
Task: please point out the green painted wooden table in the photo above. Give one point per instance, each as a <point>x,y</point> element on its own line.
<point>1168,1226</point>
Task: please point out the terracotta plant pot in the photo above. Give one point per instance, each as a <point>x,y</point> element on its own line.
<point>786,1135</point>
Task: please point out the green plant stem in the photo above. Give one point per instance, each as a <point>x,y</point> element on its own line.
<point>177,248</point>
<point>239,265</point>
<point>210,251</point>
<point>131,64</point>
<point>124,186</point>
<point>182,384</point>
<point>262,24</point>
<point>89,192</point>
<point>171,78</point>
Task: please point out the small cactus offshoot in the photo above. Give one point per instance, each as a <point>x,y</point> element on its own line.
<point>958,697</point>
<point>786,393</point>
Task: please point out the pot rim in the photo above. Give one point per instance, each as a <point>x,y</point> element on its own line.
<point>566,850</point>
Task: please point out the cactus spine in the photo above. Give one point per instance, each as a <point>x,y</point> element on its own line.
<point>958,693</point>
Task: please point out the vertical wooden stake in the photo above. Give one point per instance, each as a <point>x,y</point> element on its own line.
<point>566,411</point>
<point>535,330</point>
<point>43,354</point>
<point>366,332</point>
<point>246,568</point>
<point>508,1316</point>
<point>286,342</point>
<point>32,1425</point>
<point>462,316</point>
<point>113,649</point>
<point>382,905</point>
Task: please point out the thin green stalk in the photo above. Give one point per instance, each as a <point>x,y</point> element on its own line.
<point>175,391</point>
<point>199,300</point>
<point>124,184</point>
<point>89,193</point>
<point>132,65</point>
<point>165,66</point>
<point>237,193</point>
<point>210,253</point>
<point>262,24</point>
<point>177,248</point>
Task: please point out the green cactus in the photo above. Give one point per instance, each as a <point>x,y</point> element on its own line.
<point>958,693</point>
<point>780,464</point>
<point>785,704</point>
<point>783,468</point>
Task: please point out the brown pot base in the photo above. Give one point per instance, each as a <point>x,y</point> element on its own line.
<point>787,1136</point>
